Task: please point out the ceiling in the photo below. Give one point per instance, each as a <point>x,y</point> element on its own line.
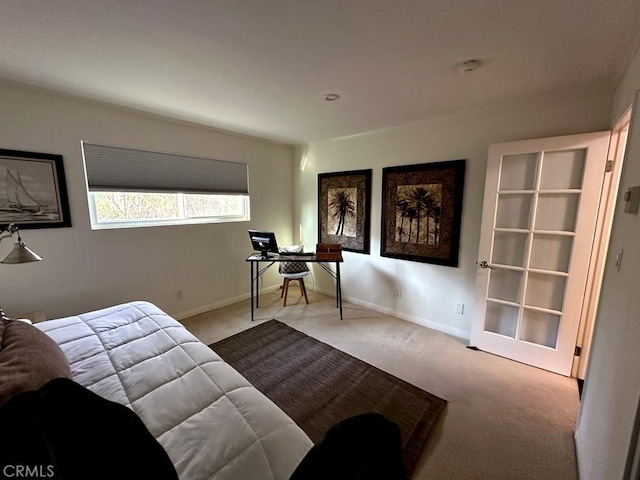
<point>261,67</point>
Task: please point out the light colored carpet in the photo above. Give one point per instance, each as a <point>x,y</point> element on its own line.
<point>504,420</point>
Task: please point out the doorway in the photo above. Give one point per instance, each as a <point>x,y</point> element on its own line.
<point>545,229</point>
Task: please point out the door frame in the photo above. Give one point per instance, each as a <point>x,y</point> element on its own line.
<point>608,199</point>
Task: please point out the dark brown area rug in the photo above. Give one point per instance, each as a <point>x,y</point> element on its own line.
<point>318,385</point>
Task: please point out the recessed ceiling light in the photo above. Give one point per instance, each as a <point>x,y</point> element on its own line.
<point>331,97</point>
<point>468,66</point>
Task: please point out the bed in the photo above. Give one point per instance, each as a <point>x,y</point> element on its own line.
<point>210,421</point>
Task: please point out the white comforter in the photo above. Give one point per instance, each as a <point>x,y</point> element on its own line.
<point>211,421</point>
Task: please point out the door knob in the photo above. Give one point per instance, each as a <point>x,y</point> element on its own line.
<point>485,264</point>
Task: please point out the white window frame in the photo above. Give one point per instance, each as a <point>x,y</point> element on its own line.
<point>97,224</point>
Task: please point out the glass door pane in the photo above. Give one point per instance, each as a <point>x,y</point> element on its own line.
<point>506,285</point>
<point>557,212</point>
<point>518,171</point>
<point>501,319</point>
<point>551,252</point>
<point>563,170</point>
<point>509,248</point>
<point>540,328</point>
<point>514,211</point>
<point>545,291</point>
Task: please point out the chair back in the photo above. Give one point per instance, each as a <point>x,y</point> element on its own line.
<point>292,267</point>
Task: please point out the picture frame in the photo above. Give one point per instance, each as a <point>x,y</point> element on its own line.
<point>33,190</point>
<point>344,209</point>
<point>422,212</point>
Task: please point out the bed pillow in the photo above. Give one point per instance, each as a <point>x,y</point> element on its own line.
<point>29,358</point>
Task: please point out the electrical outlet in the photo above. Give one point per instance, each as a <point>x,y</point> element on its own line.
<point>398,293</point>
<point>460,308</point>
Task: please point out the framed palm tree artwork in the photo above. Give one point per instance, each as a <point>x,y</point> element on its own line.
<point>421,212</point>
<point>344,208</point>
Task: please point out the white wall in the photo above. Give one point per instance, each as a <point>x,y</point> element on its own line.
<point>430,292</point>
<point>84,269</point>
<point>612,386</point>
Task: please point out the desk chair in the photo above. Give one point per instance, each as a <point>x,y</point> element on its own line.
<point>293,271</point>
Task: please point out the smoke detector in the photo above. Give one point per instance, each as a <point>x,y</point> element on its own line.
<point>468,66</point>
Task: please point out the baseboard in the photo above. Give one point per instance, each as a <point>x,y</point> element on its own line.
<point>456,332</point>
<point>220,304</point>
<point>577,441</point>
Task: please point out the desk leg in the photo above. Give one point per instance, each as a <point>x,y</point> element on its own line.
<point>257,284</point>
<point>251,290</point>
<point>338,289</point>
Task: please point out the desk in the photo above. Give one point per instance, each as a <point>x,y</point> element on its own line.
<point>257,271</point>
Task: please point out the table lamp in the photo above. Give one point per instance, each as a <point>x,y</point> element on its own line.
<point>19,254</point>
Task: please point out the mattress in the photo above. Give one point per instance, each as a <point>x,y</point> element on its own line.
<point>211,421</point>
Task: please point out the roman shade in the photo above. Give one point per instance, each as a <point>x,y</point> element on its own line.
<point>122,169</point>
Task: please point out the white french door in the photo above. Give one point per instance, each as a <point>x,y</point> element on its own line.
<point>539,216</point>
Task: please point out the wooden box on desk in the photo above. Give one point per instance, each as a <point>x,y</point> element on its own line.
<point>328,251</point>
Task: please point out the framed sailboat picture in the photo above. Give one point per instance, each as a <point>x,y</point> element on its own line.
<point>33,190</point>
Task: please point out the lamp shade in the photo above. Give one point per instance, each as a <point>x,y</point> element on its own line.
<point>21,254</point>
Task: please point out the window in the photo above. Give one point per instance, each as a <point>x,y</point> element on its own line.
<point>133,188</point>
